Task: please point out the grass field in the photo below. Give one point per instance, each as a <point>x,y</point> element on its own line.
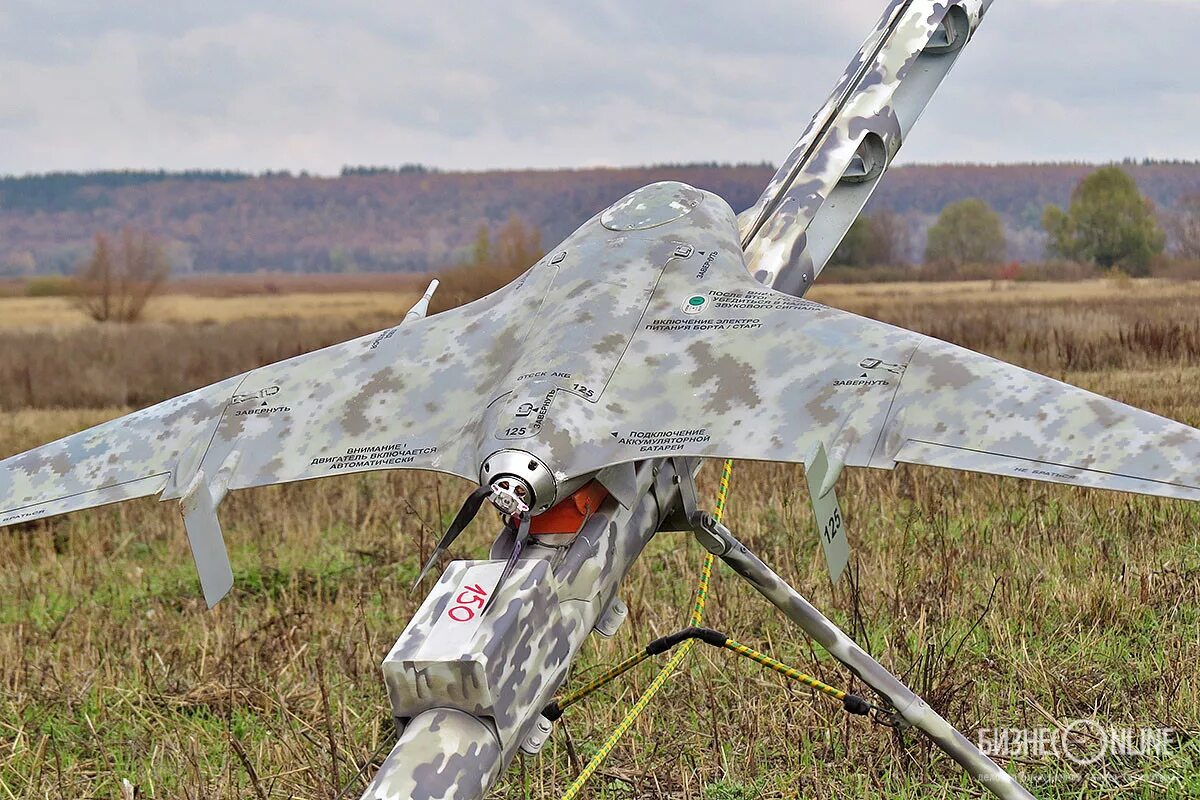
<point>1008,605</point>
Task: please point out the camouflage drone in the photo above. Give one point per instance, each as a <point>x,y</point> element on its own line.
<point>581,398</point>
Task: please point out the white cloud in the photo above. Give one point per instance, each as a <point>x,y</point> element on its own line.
<point>477,84</point>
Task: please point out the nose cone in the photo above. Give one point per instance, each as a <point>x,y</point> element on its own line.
<point>651,206</point>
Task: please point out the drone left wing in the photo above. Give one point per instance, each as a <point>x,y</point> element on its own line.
<point>397,399</point>
<point>133,456</point>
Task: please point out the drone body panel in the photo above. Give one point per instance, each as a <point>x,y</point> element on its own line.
<point>721,366</point>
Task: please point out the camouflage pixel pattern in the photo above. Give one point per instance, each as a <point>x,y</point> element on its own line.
<point>720,366</point>
<point>621,345</point>
<point>439,393</point>
<point>485,664</point>
<point>643,335</point>
<point>867,112</point>
<point>133,456</point>
<point>443,753</point>
<point>506,683</point>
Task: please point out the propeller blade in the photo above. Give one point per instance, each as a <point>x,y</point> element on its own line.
<point>518,545</point>
<point>461,520</point>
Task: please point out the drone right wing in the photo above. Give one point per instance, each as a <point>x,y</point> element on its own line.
<point>957,409</point>
<point>723,367</point>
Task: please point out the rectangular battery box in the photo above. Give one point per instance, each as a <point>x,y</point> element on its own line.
<point>497,665</point>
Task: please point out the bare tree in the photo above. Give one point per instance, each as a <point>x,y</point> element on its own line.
<point>117,280</point>
<point>1184,227</point>
<point>517,246</point>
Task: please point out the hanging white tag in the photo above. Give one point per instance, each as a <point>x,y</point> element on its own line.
<point>831,528</point>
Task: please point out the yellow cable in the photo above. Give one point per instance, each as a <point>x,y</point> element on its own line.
<point>661,678</point>
<point>706,569</point>
<point>620,669</point>
<point>784,669</point>
<point>643,701</point>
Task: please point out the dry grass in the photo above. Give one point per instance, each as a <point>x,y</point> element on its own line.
<point>1052,328</point>
<point>139,364</point>
<point>276,283</point>
<point>110,668</point>
<point>1001,292</point>
<point>60,313</point>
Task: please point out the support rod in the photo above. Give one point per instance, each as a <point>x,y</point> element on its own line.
<point>911,708</point>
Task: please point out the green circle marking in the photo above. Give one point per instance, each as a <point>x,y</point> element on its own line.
<point>696,300</point>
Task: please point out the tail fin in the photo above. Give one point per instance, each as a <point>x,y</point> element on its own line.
<point>792,230</point>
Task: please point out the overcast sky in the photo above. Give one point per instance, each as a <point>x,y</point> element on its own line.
<point>475,84</point>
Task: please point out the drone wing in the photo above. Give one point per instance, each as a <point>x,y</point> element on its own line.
<point>958,409</point>
<point>133,456</point>
<point>401,398</point>
<point>756,374</point>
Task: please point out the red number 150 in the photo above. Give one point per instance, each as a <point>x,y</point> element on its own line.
<point>468,601</point>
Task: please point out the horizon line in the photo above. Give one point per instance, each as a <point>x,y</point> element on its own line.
<point>367,170</point>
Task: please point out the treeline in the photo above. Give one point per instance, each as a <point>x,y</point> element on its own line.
<point>417,218</point>
<point>1018,192</point>
<point>74,191</point>
<point>1108,225</point>
<point>403,169</point>
<point>367,220</point>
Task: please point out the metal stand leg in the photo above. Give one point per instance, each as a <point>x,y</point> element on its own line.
<point>912,709</point>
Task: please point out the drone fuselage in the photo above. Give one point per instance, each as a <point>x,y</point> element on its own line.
<point>639,266</point>
<point>467,685</point>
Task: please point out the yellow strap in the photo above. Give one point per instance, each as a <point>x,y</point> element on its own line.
<point>697,619</point>
<point>643,701</point>
<point>570,698</point>
<point>784,669</point>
